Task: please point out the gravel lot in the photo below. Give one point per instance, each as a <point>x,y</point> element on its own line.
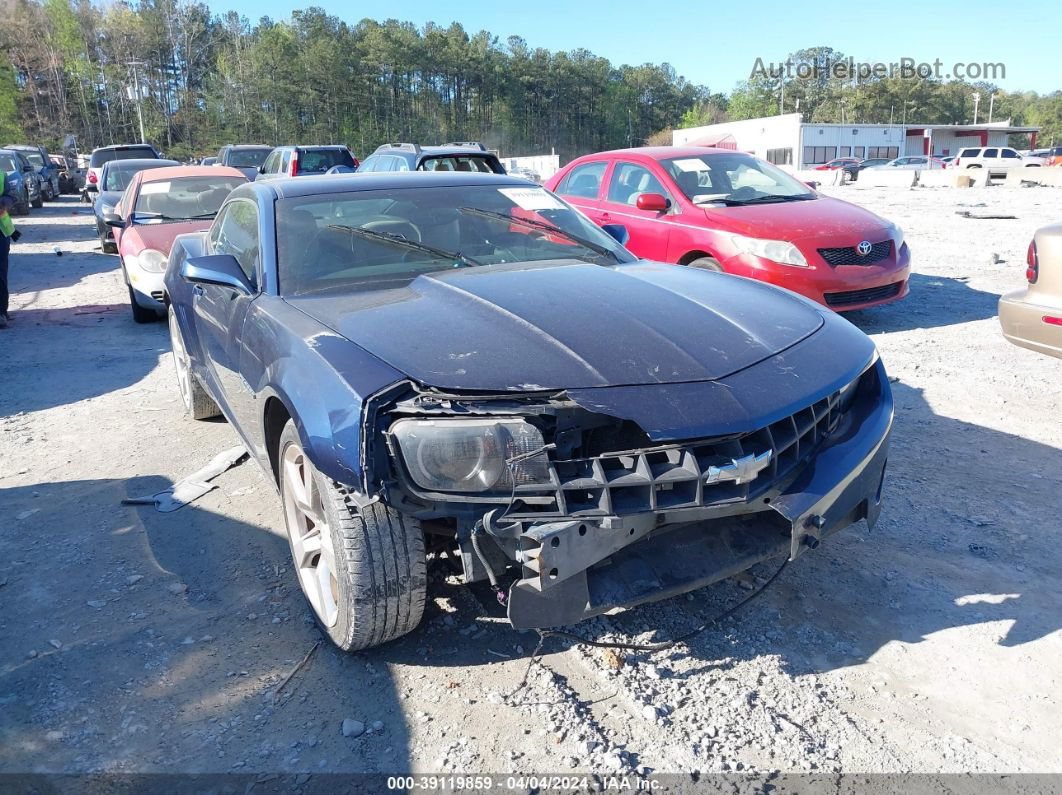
<point>135,641</point>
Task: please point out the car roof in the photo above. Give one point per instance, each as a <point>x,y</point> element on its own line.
<point>248,146</point>
<point>123,146</point>
<point>174,172</point>
<point>138,161</point>
<point>663,152</point>
<point>23,147</point>
<point>290,187</point>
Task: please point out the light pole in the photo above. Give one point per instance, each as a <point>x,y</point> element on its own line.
<point>991,106</point>
<point>905,104</point>
<point>977,102</point>
<point>136,89</point>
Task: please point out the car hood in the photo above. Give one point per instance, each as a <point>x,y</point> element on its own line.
<point>111,197</point>
<point>822,217</point>
<point>562,325</point>
<point>160,236</point>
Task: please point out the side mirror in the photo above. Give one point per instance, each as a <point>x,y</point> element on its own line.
<point>222,270</point>
<point>261,169</point>
<point>113,219</point>
<point>617,232</point>
<point>27,169</point>
<point>653,202</point>
<point>812,184</point>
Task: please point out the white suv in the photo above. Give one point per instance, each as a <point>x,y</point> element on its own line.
<point>994,158</point>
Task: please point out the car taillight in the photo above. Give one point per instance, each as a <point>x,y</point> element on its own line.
<point>92,178</point>
<point>357,163</point>
<point>955,162</point>
<point>294,165</point>
<point>1033,261</point>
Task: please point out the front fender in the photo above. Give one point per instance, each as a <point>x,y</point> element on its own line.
<point>321,378</point>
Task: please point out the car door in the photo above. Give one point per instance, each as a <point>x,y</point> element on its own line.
<point>990,157</point>
<point>581,187</point>
<point>648,232</point>
<point>1009,158</point>
<point>221,311</point>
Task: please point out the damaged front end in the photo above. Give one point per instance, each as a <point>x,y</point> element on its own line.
<point>579,511</point>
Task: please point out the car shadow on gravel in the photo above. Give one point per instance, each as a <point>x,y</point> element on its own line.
<point>142,641</point>
<point>934,301</point>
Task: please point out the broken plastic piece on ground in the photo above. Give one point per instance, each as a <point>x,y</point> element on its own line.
<point>194,486</point>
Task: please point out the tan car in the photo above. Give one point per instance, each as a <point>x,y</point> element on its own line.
<point>1032,318</point>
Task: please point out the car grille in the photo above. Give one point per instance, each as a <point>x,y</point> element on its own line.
<point>849,255</point>
<point>863,296</point>
<point>673,476</point>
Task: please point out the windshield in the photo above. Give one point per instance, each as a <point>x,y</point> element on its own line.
<point>35,158</point>
<point>370,240</point>
<point>248,158</point>
<point>126,153</point>
<point>318,161</point>
<point>118,177</point>
<point>182,198</point>
<point>455,163</point>
<point>7,163</point>
<point>733,179</point>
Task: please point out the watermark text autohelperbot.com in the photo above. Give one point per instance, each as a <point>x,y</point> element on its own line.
<point>906,68</point>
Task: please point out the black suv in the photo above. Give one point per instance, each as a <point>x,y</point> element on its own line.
<point>248,158</point>
<point>457,156</point>
<point>299,161</point>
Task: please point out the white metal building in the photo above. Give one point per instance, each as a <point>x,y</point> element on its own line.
<point>788,141</point>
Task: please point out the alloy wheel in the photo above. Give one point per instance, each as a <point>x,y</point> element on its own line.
<point>309,534</point>
<point>180,362</point>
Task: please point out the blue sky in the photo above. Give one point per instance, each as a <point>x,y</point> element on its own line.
<point>717,43</point>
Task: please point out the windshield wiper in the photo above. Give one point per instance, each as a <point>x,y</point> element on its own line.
<point>512,219</point>
<point>401,242</point>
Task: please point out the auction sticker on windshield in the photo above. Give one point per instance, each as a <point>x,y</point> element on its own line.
<point>531,198</point>
<point>691,164</point>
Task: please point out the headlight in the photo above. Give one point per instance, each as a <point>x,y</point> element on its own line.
<point>781,251</point>
<point>151,260</point>
<point>106,209</point>
<point>470,455</point>
<point>897,237</point>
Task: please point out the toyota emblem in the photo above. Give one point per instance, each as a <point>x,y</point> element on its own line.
<point>864,248</point>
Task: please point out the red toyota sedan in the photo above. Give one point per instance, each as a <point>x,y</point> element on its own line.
<point>729,211</point>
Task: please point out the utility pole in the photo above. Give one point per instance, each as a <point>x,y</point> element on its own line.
<point>136,89</point>
<point>977,102</point>
<point>629,132</point>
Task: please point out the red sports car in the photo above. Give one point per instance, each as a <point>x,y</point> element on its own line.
<point>730,211</point>
<point>158,205</point>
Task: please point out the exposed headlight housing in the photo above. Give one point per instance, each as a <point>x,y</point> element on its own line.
<point>106,208</point>
<point>471,455</point>
<point>151,260</point>
<point>781,251</point>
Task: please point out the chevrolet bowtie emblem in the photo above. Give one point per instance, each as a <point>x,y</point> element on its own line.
<point>739,470</point>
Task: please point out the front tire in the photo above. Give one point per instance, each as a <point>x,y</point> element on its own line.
<point>363,570</point>
<point>140,315</point>
<point>197,402</point>
<point>706,264</point>
<point>39,201</point>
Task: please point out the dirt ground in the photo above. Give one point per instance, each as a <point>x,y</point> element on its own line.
<point>132,640</point>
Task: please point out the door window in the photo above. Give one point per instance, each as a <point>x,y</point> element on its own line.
<point>584,181</point>
<point>236,232</point>
<point>630,181</point>
<point>991,153</point>
<point>271,162</point>
<point>1011,154</point>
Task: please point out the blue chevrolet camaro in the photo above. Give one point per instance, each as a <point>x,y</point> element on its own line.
<point>462,363</point>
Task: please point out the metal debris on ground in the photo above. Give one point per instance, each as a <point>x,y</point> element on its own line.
<point>985,216</point>
<point>192,487</point>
